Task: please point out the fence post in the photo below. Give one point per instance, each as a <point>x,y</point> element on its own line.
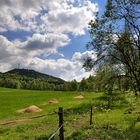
<point>91,110</point>
<point>60,113</point>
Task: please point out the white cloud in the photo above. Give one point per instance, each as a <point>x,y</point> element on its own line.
<point>68,17</point>
<point>59,16</point>
<point>83,56</point>
<point>16,52</point>
<point>45,44</point>
<point>51,22</point>
<point>82,75</point>
<point>23,9</point>
<point>64,68</point>
<point>36,45</point>
<point>7,48</point>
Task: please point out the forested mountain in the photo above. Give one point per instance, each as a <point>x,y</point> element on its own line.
<point>31,74</point>
<point>30,79</point>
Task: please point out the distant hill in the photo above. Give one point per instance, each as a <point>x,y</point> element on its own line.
<point>32,74</point>
<point>30,79</point>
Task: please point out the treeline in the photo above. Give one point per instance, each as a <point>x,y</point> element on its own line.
<point>37,84</point>
<point>104,79</point>
<point>102,82</point>
<point>93,83</point>
<point>23,82</point>
<point>30,79</point>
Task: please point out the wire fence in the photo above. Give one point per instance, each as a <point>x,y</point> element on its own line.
<point>53,135</point>
<point>60,129</point>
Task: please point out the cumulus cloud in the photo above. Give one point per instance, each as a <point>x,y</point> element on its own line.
<point>35,45</point>
<point>63,16</point>
<point>50,22</point>
<point>83,56</point>
<point>13,53</point>
<point>23,9</point>
<point>45,44</point>
<point>69,16</point>
<point>63,68</point>
<point>7,48</point>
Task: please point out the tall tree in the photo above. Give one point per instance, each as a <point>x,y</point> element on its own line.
<point>74,85</point>
<point>83,85</point>
<point>116,38</point>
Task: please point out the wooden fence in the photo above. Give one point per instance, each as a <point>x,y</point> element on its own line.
<point>60,129</point>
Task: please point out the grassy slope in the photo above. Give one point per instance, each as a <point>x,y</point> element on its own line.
<point>12,100</point>
<point>107,124</point>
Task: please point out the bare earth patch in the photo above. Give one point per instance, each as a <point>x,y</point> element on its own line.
<point>79,97</point>
<point>50,102</point>
<point>13,122</point>
<point>30,109</point>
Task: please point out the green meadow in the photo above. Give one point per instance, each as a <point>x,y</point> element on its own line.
<point>120,122</point>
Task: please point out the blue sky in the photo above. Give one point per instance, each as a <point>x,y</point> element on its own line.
<point>50,36</point>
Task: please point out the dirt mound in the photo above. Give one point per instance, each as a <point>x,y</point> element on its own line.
<point>30,109</point>
<point>50,102</point>
<point>79,97</point>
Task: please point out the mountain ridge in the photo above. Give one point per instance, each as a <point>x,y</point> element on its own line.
<point>31,73</point>
<point>30,79</point>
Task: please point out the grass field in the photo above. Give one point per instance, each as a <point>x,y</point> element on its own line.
<point>117,123</point>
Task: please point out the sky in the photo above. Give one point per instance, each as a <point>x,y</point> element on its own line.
<point>48,36</point>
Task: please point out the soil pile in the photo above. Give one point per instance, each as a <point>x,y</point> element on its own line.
<point>30,109</point>
<point>79,97</point>
<point>51,102</point>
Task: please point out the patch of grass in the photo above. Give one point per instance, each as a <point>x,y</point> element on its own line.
<point>12,100</point>
<point>108,124</point>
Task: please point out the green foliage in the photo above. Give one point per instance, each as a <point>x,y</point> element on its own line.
<point>107,123</point>
<point>103,79</point>
<point>116,45</point>
<point>79,135</point>
<point>133,132</point>
<point>83,85</point>
<point>30,79</point>
<point>74,85</point>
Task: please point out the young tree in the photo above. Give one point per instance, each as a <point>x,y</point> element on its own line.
<point>116,39</point>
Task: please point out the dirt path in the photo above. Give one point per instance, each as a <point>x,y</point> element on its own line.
<point>81,122</point>
<point>13,122</point>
